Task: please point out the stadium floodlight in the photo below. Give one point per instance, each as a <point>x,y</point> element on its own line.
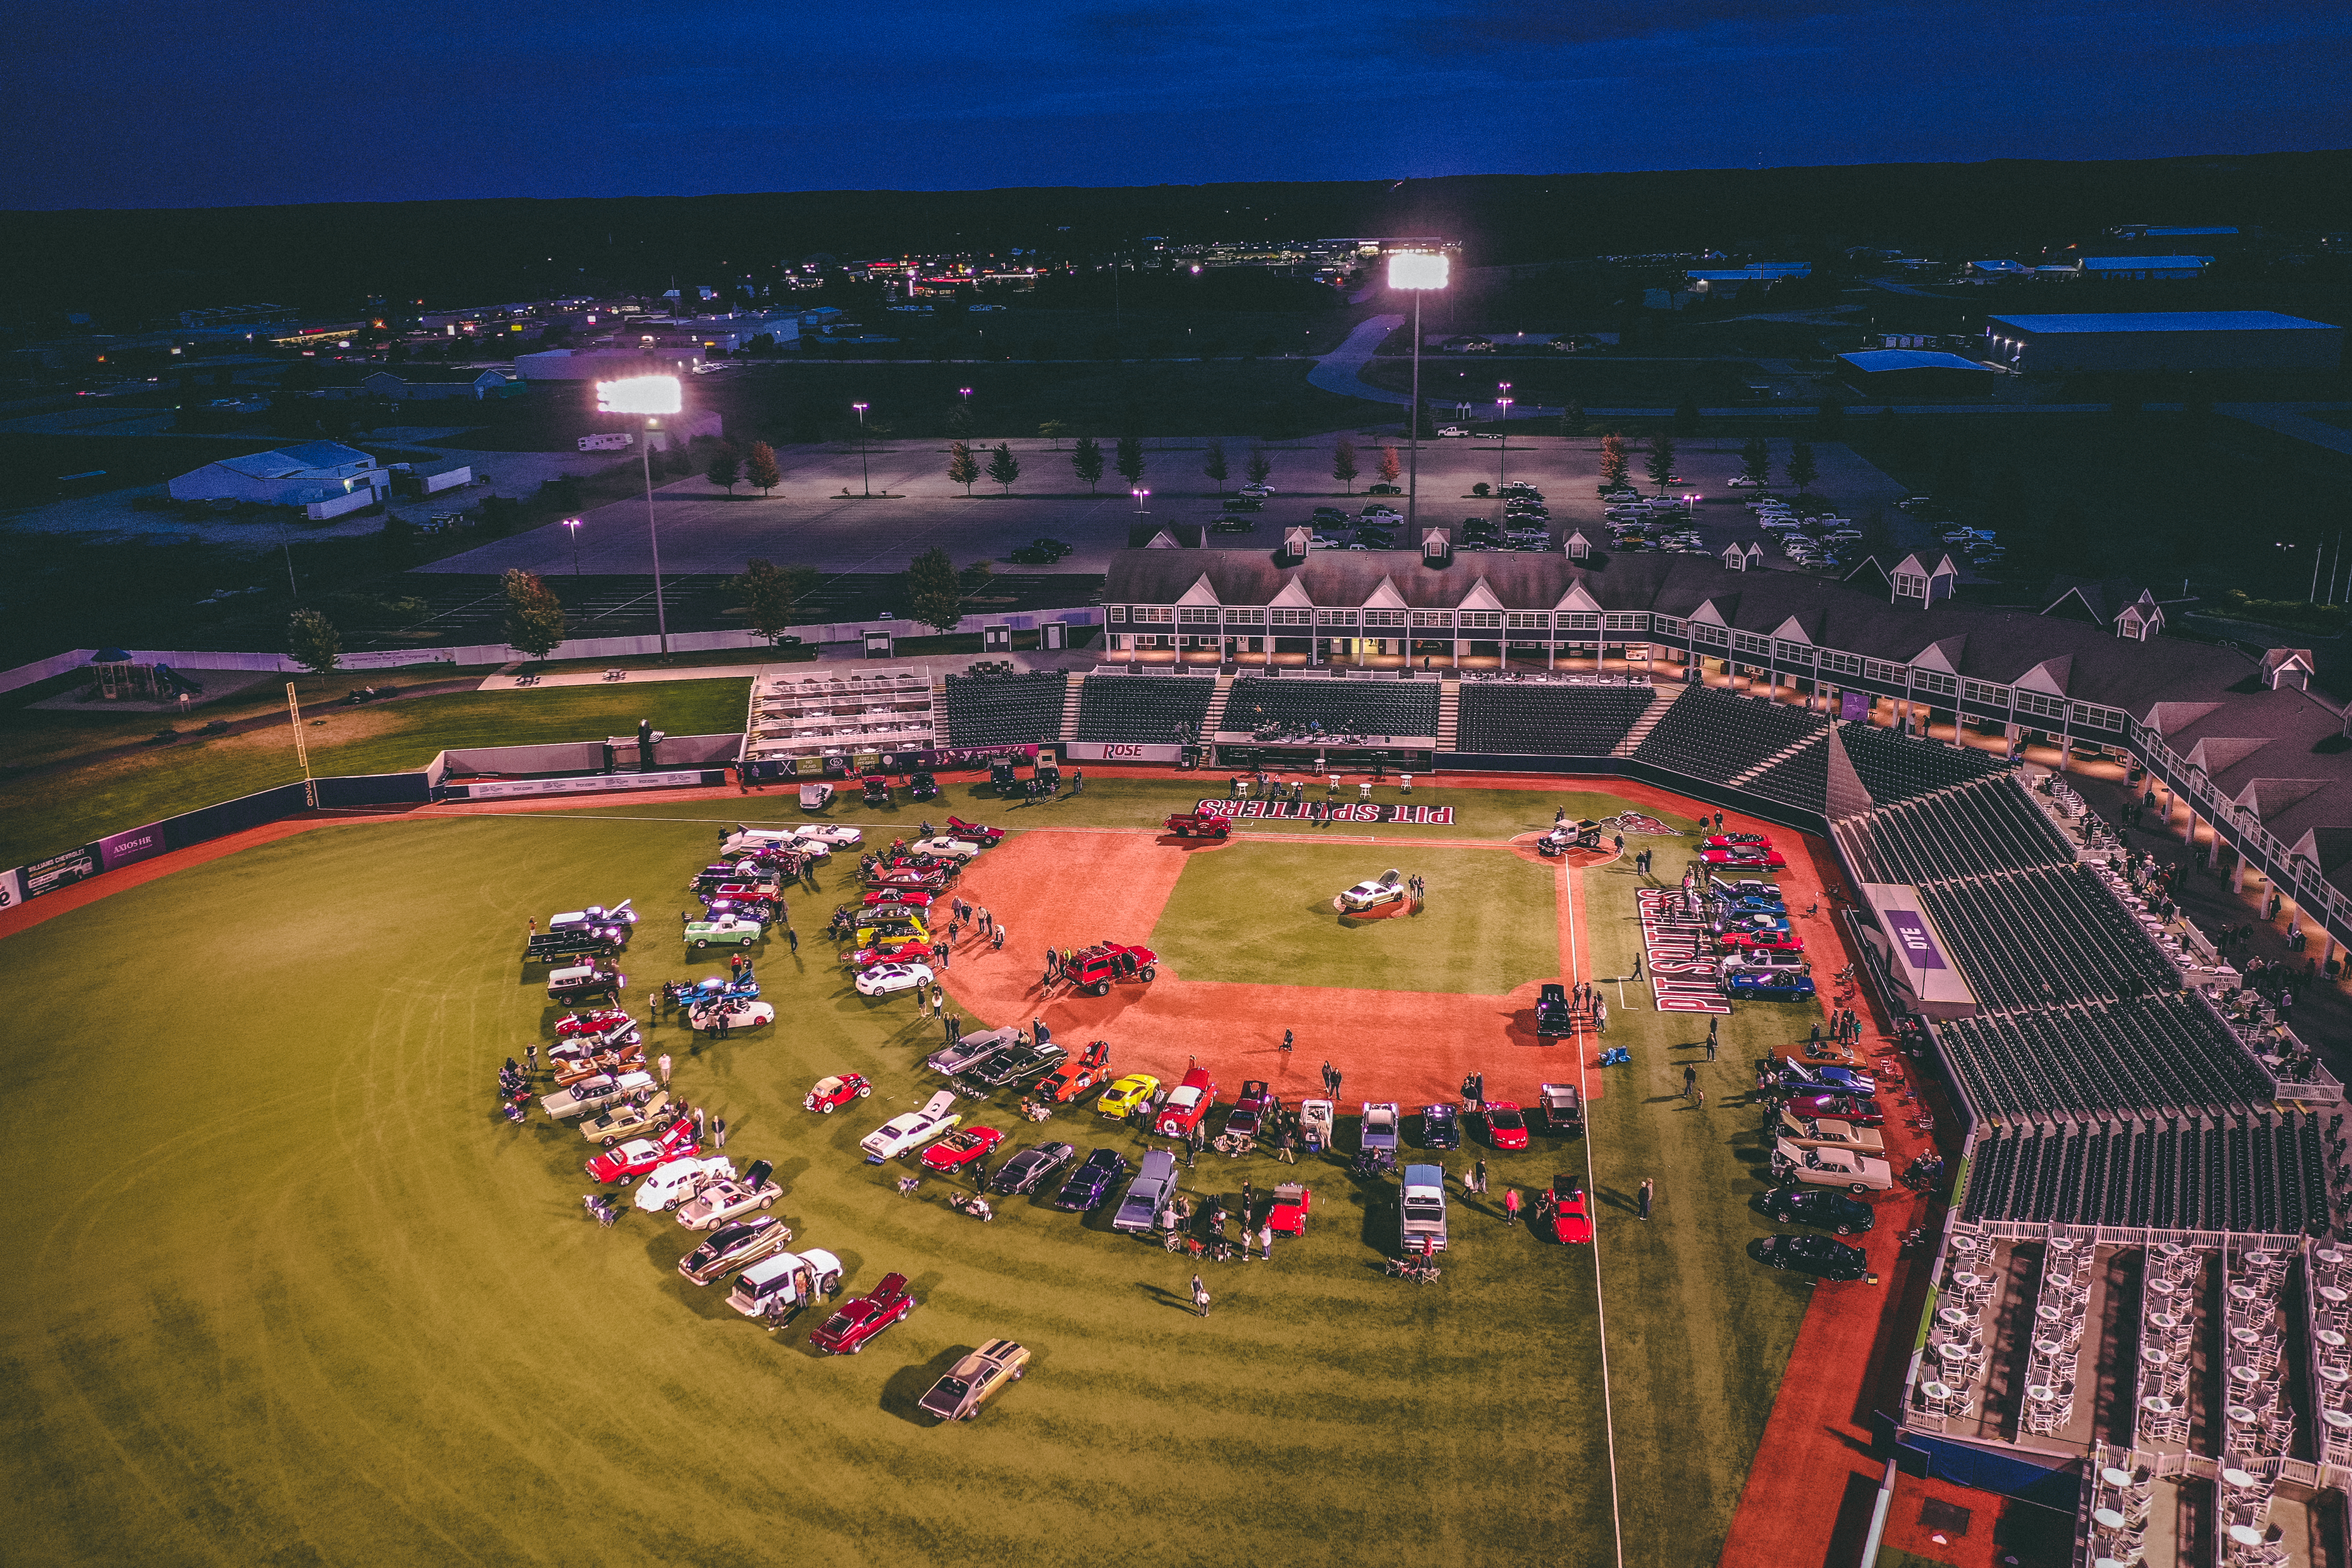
<point>1417,271</point>
<point>648,395</point>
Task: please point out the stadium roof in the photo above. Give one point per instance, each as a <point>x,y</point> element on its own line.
<point>1877,360</point>
<point>2165,322</point>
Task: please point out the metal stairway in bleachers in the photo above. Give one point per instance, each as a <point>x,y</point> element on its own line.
<point>1660,701</point>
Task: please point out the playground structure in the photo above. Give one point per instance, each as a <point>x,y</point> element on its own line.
<point>120,677</point>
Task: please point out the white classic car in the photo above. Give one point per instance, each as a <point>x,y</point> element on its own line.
<point>673,1182</point>
<point>886,979</point>
<point>1387,887</point>
<point>592,1094</point>
<point>829,832</point>
<point>730,1196</point>
<point>903,1135</point>
<point>951,848</point>
<point>736,1012</point>
<point>1831,1168</point>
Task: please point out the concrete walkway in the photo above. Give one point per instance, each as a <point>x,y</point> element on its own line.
<point>506,680</point>
<point>1341,371</point>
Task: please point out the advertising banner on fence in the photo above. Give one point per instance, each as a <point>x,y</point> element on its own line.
<point>1317,811</point>
<point>1120,752</point>
<point>12,888</point>
<point>122,848</point>
<point>908,761</point>
<point>60,870</point>
<point>1680,952</point>
<point>594,784</point>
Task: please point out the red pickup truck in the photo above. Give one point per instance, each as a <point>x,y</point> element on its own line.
<point>1192,824</point>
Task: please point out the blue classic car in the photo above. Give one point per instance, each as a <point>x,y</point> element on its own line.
<point>1769,985</point>
<point>1092,1182</point>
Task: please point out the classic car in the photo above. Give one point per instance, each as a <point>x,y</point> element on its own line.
<point>1247,1118</point>
<point>673,1182</point>
<point>732,1247</point>
<point>625,1120</point>
<point>1506,1128</point>
<point>1808,1133</point>
<point>986,837</point>
<point>735,1011</point>
<point>1831,1168</point>
<point>830,834</point>
<point>726,930</point>
<point>903,899</point>
<point>861,1317</point>
<point>831,1093</point>
<point>947,848</point>
<point>1022,1172</point>
<point>1819,1207</point>
<point>1570,1210</point>
<point>785,1283</point>
<point>1562,1105</point>
<point>1814,1255</point>
<point>912,1131</point>
<point>1421,1210</point>
<point>908,951</point>
<point>888,979</point>
<point>1077,1074</point>
<point>960,1148</point>
<point>1553,1015</point>
<point>1767,985</point>
<point>1095,968</point>
<point>1187,1103</point>
<point>1441,1127</point>
<point>1092,1182</point>
<point>959,1396</point>
<point>969,1050</point>
<point>592,1094</point>
<point>1387,887</point>
<point>640,1155</point>
<point>1758,960</point>
<point>1844,1107</point>
<point>1381,1125</point>
<point>1734,840</point>
<point>1015,1064</point>
<point>730,1196</point>
<point>1833,1080</point>
<point>1197,824</point>
<point>1139,1206</point>
<point>582,980</point>
<point>1761,939</point>
<point>1291,1202</point>
<point>1123,1097</point>
<point>597,1022</point>
<point>1746,857</point>
<point>576,1060</point>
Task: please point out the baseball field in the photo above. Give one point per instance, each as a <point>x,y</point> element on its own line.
<point>285,1288</point>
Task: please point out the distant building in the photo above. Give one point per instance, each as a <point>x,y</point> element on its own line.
<point>2166,339</point>
<point>2000,270</point>
<point>313,472</point>
<point>2143,268</point>
<point>1730,280</point>
<point>435,384</point>
<point>1889,373</point>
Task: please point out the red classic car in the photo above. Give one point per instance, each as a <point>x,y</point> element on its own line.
<point>1846,1108</point>
<point>1762,940</point>
<point>1571,1211</point>
<point>960,1148</point>
<point>986,837</point>
<point>887,952</point>
<point>858,1320</point>
<point>639,1155</point>
<point>1746,857</point>
<point>1187,1103</point>
<point>911,899</point>
<point>598,1021</point>
<point>831,1093</point>
<point>1732,840</point>
<point>1291,1202</point>
<point>1506,1128</point>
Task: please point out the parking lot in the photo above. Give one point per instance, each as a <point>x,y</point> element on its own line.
<point>914,506</point>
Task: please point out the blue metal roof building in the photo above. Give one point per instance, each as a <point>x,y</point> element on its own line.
<point>2163,339</point>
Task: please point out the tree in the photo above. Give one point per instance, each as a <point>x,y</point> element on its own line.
<point>762,469</point>
<point>1054,430</point>
<point>1261,465</point>
<point>1756,460</point>
<point>1086,461</point>
<point>1660,466</point>
<point>1572,418</point>
<point>1004,466</point>
<point>1613,460</point>
<point>1213,463</point>
<point>1801,472</point>
<point>534,614</point>
<point>934,594</point>
<point>1389,468</point>
<point>960,420</point>
<point>725,467</point>
<point>1130,460</point>
<point>770,593</point>
<point>313,641</point>
<point>1686,416</point>
<point>1343,463</point>
<point>962,467</point>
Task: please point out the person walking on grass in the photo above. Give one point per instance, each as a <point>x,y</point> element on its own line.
<point>1649,1195</point>
<point>795,938</point>
<point>1710,1040</point>
<point>664,1070</point>
<point>1200,1297</point>
<point>1690,1080</point>
<point>1510,1206</point>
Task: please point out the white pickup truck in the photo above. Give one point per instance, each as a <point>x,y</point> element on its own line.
<point>1421,1220</point>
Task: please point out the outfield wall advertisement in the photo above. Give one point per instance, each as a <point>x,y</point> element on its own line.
<point>12,888</point>
<point>1120,752</point>
<point>60,870</point>
<point>1680,952</point>
<point>122,848</point>
<point>1340,811</point>
<point>596,784</point>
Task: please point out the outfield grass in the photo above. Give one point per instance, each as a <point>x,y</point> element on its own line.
<point>52,811</point>
<point>1261,914</point>
<point>290,1292</point>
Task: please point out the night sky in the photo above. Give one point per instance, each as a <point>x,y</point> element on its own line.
<point>262,102</point>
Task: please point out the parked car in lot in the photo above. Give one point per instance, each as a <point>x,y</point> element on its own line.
<point>1421,1213</point>
<point>640,1155</point>
<point>1094,1181</point>
<point>592,1094</point>
<point>1831,1168</point>
<point>1506,1128</point>
<point>1123,1097</point>
<point>1846,1108</point>
<point>1292,1202</point>
<point>1452,433</point>
<point>831,1093</point>
<point>1040,552</point>
<point>1025,1170</point>
<point>734,1247</point>
<point>1819,1207</point>
<point>1377,1135</point>
<point>1814,1255</point>
<point>625,1120</point>
<point>959,1396</point>
<point>960,1148</point>
<point>889,979</point>
<point>1140,1206</point>
<point>1374,893</point>
<point>673,1182</point>
<point>897,1136</point>
<point>1769,985</point>
<point>1187,1103</point>
<point>1441,1127</point>
<point>861,1317</point>
<point>969,1050</point>
<point>785,1283</point>
<point>730,1197</point>
<point>1016,1063</point>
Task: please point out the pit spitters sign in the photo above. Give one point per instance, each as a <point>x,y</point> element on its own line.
<point>1321,811</point>
<point>1681,953</point>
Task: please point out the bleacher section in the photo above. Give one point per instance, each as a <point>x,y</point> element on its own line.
<point>2158,1056</point>
<point>1005,710</point>
<point>1711,734</point>
<point>1346,707</point>
<point>1962,832</point>
<point>1894,767</point>
<point>1147,709</point>
<point>2259,1173</point>
<point>1503,719</point>
<point>1801,779</point>
<point>2050,935</point>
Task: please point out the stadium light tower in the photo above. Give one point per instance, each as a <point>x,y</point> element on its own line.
<point>1416,271</point>
<point>649,397</point>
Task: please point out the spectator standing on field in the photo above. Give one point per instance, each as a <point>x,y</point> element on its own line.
<point>664,1070</point>
<point>1649,1194</point>
<point>1200,1297</point>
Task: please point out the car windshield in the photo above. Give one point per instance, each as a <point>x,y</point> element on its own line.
<point>1504,1119</point>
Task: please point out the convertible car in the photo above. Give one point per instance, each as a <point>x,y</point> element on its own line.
<point>860,1319</point>
<point>1762,940</point>
<point>639,1155</point>
<point>907,951</point>
<point>912,1131</point>
<point>1846,1108</point>
<point>1769,985</point>
<point>1572,1211</point>
<point>735,1011</point>
<point>960,1148</point>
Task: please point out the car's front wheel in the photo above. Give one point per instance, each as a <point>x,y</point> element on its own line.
<point>1845,1230</point>
<point>1099,988</point>
<point>610,1142</point>
<point>825,1110</point>
<point>1858,1187</point>
<point>865,1091</point>
<point>1144,973</point>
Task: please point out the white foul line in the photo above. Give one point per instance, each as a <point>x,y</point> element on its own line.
<point>1600,1310</point>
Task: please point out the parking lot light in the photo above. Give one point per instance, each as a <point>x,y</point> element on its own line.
<point>1418,271</point>
<point>649,397</point>
<point>573,524</point>
<point>1141,496</point>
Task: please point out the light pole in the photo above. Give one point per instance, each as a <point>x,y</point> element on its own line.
<point>650,396</point>
<point>1418,272</point>
<point>573,524</point>
<point>1141,497</point>
<point>865,474</point>
<point>1502,438</point>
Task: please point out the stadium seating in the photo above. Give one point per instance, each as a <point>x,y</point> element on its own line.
<point>1961,832</point>
<point>1305,705</point>
<point>1800,780</point>
<point>1005,710</point>
<point>2053,934</point>
<point>1712,734</point>
<point>1894,767</point>
<point>2253,1174</point>
<point>1149,710</point>
<point>1507,719</point>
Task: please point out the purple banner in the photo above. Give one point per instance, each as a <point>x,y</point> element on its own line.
<point>1853,705</point>
<point>1911,935</point>
<point>122,848</point>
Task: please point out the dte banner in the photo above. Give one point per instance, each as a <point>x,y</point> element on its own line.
<point>1680,951</point>
<point>1340,811</point>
